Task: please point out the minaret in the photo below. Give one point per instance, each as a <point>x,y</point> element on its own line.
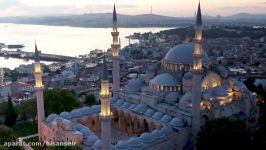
<point>39,91</point>
<point>105,114</point>
<point>116,56</point>
<point>197,69</point>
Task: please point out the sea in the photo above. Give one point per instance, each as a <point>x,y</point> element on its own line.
<point>62,40</point>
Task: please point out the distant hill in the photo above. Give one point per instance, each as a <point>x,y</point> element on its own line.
<point>103,20</point>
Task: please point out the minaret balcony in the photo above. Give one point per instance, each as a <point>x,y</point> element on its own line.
<point>115,46</point>
<point>197,55</point>
<point>115,33</point>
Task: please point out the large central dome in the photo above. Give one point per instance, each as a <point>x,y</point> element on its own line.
<point>183,54</point>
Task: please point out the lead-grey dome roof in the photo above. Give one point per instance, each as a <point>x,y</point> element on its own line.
<point>164,79</point>
<point>183,54</point>
<point>134,85</point>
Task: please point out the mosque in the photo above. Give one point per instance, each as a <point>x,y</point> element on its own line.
<point>160,111</point>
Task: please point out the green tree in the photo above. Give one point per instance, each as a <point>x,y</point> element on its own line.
<point>3,108</point>
<point>28,109</point>
<point>7,135</point>
<point>59,100</point>
<point>223,134</point>
<point>11,116</point>
<point>90,99</point>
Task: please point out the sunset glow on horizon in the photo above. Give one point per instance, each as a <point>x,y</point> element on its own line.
<point>177,8</point>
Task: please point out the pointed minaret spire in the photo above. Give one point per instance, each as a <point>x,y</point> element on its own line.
<point>36,58</point>
<point>114,15</point>
<point>199,18</point>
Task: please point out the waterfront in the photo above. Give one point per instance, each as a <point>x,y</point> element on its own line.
<point>62,40</point>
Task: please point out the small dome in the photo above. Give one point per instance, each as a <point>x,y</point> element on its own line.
<point>149,112</point>
<point>166,119</point>
<point>97,145</point>
<point>147,138</point>
<point>219,92</point>
<point>85,132</point>
<point>134,85</point>
<point>177,122</point>
<point>79,127</point>
<point>51,118</point>
<point>186,100</point>
<point>96,108</point>
<point>126,105</point>
<point>122,145</point>
<point>141,108</point>
<point>119,102</point>
<point>164,79</point>
<point>66,115</point>
<point>183,54</point>
<point>76,113</point>
<point>91,140</point>
<point>188,76</point>
<point>172,97</point>
<point>207,94</point>
<point>135,142</point>
<point>157,116</point>
<point>158,134</point>
<point>132,106</point>
<point>167,130</point>
<point>86,110</point>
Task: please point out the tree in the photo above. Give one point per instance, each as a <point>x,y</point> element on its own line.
<point>223,134</point>
<point>28,109</point>
<point>11,116</point>
<point>3,108</point>
<point>59,100</point>
<point>7,135</point>
<point>90,99</point>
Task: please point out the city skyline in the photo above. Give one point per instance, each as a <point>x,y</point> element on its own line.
<point>176,8</point>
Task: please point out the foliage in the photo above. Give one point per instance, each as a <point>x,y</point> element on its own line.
<point>223,133</point>
<point>28,109</point>
<point>11,116</point>
<point>59,100</point>
<point>3,108</point>
<point>90,99</point>
<point>7,135</point>
<point>25,129</point>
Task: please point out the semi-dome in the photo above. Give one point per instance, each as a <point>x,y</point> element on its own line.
<point>188,76</point>
<point>158,134</point>
<point>177,122</point>
<point>51,118</point>
<point>126,105</point>
<point>86,110</point>
<point>135,142</point>
<point>134,85</point>
<point>172,97</point>
<point>91,140</point>
<point>141,108</point>
<point>149,112</point>
<point>66,115</point>
<point>147,137</point>
<point>97,145</point>
<point>166,119</point>
<point>219,92</point>
<point>157,116</point>
<point>123,145</point>
<point>183,54</point>
<point>76,113</point>
<point>164,79</point>
<point>186,100</point>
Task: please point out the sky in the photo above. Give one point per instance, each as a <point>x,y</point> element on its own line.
<point>176,8</point>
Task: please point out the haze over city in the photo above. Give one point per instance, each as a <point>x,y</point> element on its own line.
<point>176,8</point>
